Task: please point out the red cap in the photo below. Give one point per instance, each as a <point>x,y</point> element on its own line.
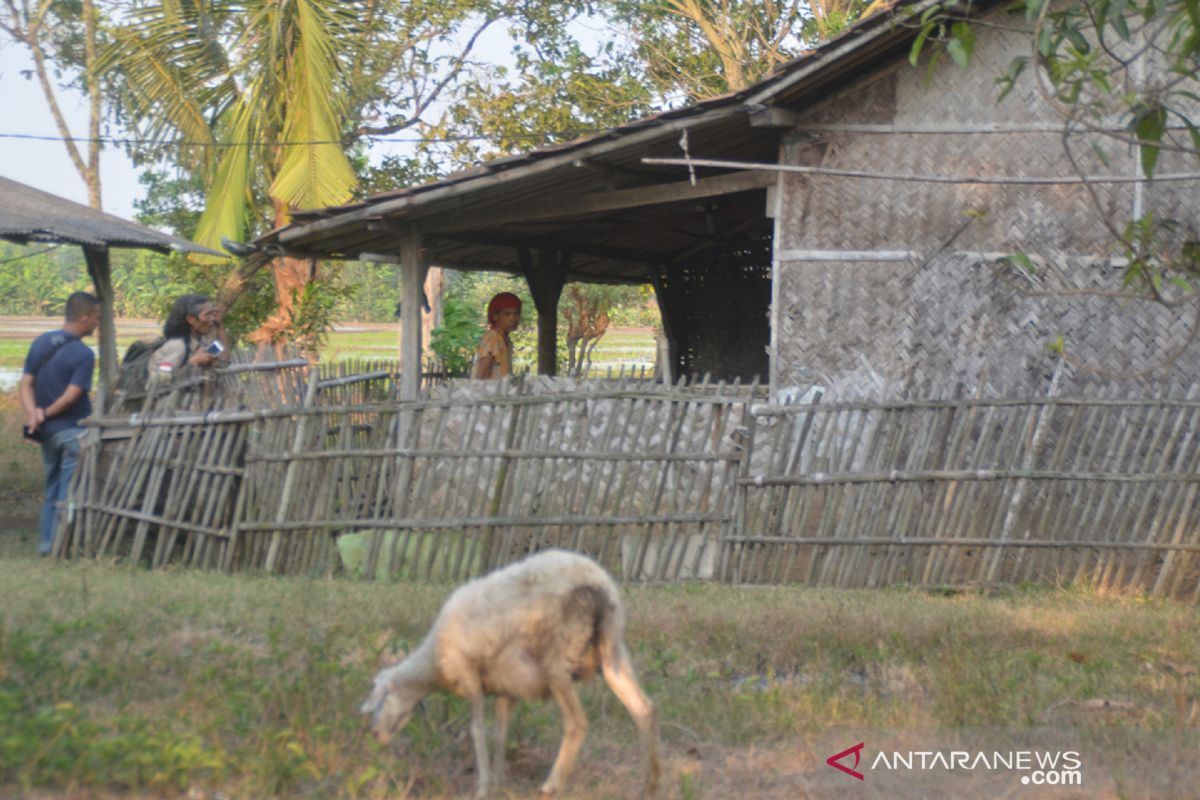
<point>502,302</point>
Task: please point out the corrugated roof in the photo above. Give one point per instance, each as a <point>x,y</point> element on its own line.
<point>31,215</point>
<point>472,219</point>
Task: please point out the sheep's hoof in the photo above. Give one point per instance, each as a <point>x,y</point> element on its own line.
<point>547,791</point>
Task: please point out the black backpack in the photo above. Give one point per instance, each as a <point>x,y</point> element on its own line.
<point>135,364</point>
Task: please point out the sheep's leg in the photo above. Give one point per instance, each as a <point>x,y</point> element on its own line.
<point>619,674</point>
<point>479,737</point>
<point>503,713</point>
<point>575,726</point>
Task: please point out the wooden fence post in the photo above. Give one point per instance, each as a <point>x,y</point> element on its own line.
<point>289,479</point>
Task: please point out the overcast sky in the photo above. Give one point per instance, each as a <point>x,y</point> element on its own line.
<point>46,165</point>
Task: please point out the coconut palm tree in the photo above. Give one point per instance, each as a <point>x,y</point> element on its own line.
<point>254,95</point>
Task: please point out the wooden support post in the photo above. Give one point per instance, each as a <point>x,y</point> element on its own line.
<point>667,293</point>
<point>101,274</point>
<point>412,274</point>
<point>546,273</point>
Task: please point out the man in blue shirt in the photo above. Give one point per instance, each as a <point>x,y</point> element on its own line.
<point>54,394</point>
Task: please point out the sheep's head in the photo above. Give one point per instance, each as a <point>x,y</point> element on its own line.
<point>390,704</point>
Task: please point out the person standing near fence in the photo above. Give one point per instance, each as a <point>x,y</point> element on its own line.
<point>493,359</point>
<point>193,336</point>
<point>54,395</point>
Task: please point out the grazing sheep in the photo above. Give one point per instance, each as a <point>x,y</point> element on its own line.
<point>522,633</point>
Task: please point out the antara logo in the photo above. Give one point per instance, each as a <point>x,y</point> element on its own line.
<point>857,750</point>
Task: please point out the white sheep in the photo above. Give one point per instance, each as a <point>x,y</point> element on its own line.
<point>523,632</point>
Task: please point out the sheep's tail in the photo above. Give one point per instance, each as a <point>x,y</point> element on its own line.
<point>589,614</point>
<point>622,679</point>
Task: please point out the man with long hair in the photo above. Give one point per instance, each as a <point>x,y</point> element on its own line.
<point>189,333</point>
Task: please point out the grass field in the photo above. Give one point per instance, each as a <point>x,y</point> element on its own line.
<point>118,683</point>
<point>125,683</point>
<point>619,345</point>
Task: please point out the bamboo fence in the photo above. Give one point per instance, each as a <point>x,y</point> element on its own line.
<point>1100,492</point>
<point>629,471</point>
<point>659,483</point>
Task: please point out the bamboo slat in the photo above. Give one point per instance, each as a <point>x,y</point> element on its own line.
<point>661,483</point>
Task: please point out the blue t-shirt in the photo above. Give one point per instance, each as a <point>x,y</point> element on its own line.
<point>71,365</point>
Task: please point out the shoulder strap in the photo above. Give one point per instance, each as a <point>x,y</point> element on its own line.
<point>46,360</point>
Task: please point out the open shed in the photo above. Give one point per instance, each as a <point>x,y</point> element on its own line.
<point>31,215</point>
<point>843,222</point>
<point>591,210</point>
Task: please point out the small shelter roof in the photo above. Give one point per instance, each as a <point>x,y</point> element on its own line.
<point>31,215</point>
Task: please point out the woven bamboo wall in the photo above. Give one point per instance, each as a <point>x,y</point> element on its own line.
<point>937,311</point>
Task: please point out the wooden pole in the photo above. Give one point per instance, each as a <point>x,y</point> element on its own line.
<point>412,274</point>
<point>101,274</point>
<point>546,273</point>
<point>666,293</point>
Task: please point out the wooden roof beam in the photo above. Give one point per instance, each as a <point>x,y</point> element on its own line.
<point>489,239</point>
<point>572,204</point>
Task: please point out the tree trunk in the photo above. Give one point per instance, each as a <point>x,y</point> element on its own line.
<point>95,104</point>
<point>291,276</point>
<point>88,170</point>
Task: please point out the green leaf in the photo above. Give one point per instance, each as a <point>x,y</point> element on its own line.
<point>1045,43</point>
<point>1103,156</point>
<point>1150,128</point>
<point>1121,27</point>
<point>1021,260</point>
<point>933,62</point>
<point>962,46</point>
<point>957,52</point>
<point>1009,79</point>
<point>914,53</point>
<point>1077,40</point>
<point>1193,11</point>
<point>1195,134</point>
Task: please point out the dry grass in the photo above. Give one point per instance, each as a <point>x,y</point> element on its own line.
<point>119,683</point>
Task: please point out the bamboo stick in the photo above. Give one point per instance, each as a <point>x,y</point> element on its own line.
<point>289,481</point>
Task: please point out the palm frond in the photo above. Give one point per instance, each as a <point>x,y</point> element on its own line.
<point>313,168</point>
<point>229,195</point>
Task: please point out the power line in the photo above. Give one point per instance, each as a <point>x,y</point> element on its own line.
<point>24,256</point>
<point>892,176</point>
<point>539,136</point>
